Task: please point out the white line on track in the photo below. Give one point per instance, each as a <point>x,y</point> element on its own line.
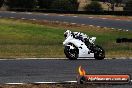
<point>90,17</point>
<point>73,23</point>
<point>112,28</point>
<point>71,81</point>
<point>28,13</point>
<point>23,18</point>
<point>82,24</point>
<point>46,14</point>
<point>37,58</point>
<point>91,25</point>
<point>32,19</point>
<point>86,58</point>
<point>46,82</point>
<point>118,19</point>
<point>12,17</point>
<point>65,22</point>
<point>13,12</point>
<point>75,16</point>
<point>119,29</point>
<point>103,18</point>
<point>98,26</point>
<point>42,82</point>
<point>54,58</point>
<point>61,15</point>
<point>14,83</point>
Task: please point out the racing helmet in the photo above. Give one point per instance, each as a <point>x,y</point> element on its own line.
<point>92,40</point>
<point>67,33</point>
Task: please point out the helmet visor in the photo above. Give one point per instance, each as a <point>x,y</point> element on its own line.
<point>65,35</point>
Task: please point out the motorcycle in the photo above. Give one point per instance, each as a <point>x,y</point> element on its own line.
<point>76,49</point>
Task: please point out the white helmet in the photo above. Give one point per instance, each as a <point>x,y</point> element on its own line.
<point>92,40</point>
<point>67,33</point>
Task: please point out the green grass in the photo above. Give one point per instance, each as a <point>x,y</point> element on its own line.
<point>29,40</point>
<point>26,39</point>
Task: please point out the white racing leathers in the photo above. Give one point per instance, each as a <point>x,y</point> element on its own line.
<point>80,36</point>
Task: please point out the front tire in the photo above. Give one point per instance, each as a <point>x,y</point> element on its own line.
<point>99,53</point>
<point>72,54</point>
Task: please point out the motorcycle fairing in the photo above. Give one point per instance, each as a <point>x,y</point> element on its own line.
<point>83,50</point>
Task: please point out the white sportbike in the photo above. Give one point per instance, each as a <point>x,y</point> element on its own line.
<point>76,49</point>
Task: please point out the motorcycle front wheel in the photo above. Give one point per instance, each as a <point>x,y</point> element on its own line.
<point>72,54</point>
<point>99,53</point>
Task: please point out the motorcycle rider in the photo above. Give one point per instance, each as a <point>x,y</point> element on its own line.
<point>89,42</point>
<point>77,35</point>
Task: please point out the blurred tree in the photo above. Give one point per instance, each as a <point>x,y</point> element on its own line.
<point>113,3</point>
<point>1,2</point>
<point>45,4</point>
<point>128,6</point>
<point>93,6</point>
<point>25,4</point>
<point>65,5</point>
<point>75,4</point>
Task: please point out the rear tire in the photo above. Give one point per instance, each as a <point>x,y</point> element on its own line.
<point>81,80</point>
<point>72,54</point>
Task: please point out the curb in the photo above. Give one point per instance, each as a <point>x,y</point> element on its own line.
<point>21,83</point>
<point>63,82</point>
<point>123,58</point>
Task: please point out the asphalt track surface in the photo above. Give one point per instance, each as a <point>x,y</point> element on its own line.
<point>32,71</point>
<point>100,22</point>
